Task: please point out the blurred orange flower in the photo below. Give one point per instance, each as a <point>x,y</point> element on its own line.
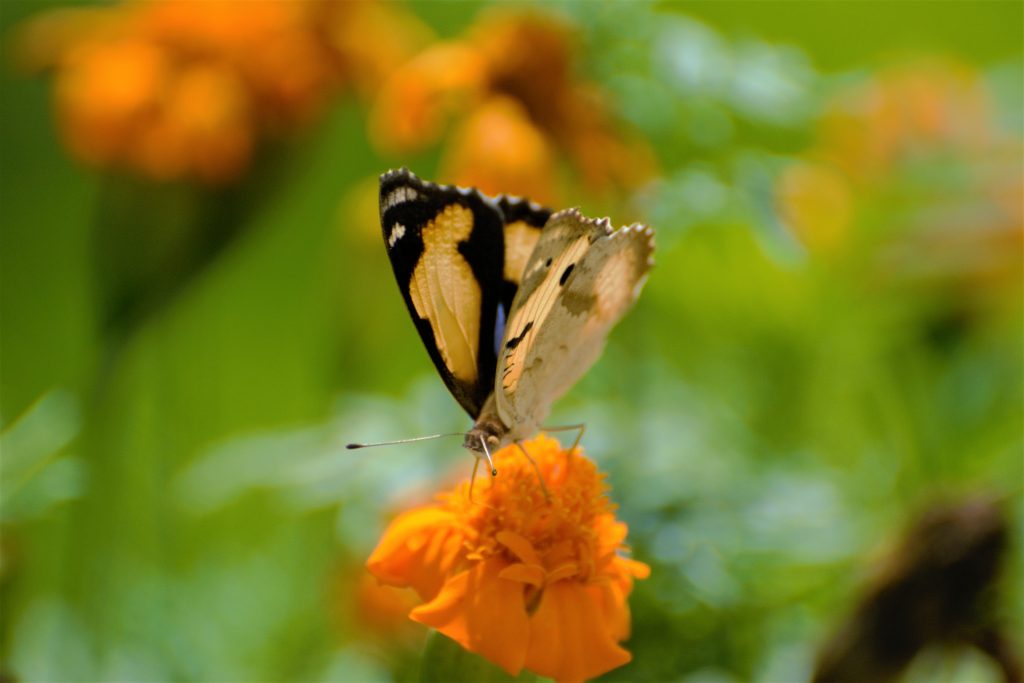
<point>916,155</point>
<point>378,609</point>
<point>186,89</point>
<point>511,88</point>
<point>524,581</point>
<point>496,146</point>
<point>912,171</point>
<point>918,108</point>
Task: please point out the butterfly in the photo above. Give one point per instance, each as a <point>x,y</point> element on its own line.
<point>512,301</point>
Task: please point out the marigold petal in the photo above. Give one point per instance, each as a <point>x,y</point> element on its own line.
<point>482,612</point>
<point>562,572</point>
<point>639,570</point>
<point>522,548</point>
<point>433,550</point>
<point>611,596</point>
<point>451,553</point>
<point>569,638</point>
<point>532,574</point>
<point>407,554</point>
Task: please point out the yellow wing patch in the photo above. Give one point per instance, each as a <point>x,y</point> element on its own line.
<point>520,239</point>
<point>442,286</point>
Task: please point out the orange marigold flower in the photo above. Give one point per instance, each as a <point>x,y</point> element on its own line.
<point>187,88</point>
<point>514,70</point>
<point>415,103</point>
<point>529,57</point>
<point>106,91</point>
<point>524,580</point>
<point>372,39</point>
<point>204,128</point>
<point>498,150</point>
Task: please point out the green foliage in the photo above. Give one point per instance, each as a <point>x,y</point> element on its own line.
<point>445,660</point>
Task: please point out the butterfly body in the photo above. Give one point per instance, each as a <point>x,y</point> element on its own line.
<point>513,302</point>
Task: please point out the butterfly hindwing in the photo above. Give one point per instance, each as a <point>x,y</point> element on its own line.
<point>579,281</point>
<point>524,221</point>
<point>447,249</point>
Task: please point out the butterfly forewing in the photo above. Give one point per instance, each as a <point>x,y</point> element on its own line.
<point>447,249</point>
<point>579,281</point>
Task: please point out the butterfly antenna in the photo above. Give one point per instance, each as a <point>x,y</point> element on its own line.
<point>487,453</point>
<point>353,446</point>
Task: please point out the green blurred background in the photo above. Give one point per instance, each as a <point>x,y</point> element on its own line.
<point>831,341</point>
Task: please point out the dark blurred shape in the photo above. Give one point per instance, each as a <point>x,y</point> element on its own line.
<point>936,589</point>
<point>151,238</point>
<point>9,564</point>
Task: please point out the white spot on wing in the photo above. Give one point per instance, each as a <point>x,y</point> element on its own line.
<point>402,194</point>
<point>397,233</point>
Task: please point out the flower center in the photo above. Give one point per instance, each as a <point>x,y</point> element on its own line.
<point>561,530</point>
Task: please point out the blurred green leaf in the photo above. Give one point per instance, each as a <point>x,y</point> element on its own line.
<point>446,660</point>
<point>35,471</point>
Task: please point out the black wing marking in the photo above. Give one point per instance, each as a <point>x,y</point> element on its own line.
<point>408,205</point>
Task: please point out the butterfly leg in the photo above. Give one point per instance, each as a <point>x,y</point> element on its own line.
<point>580,428</point>
<point>472,477</point>
<point>540,477</point>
